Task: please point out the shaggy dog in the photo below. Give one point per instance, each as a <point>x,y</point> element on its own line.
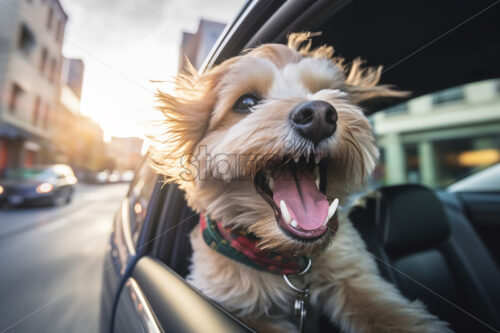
<point>267,144</point>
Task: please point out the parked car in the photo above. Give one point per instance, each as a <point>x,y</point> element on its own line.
<point>53,185</point>
<point>428,242</point>
<point>127,176</point>
<point>102,177</point>
<point>114,177</point>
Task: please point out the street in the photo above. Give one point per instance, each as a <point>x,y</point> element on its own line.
<point>51,262</point>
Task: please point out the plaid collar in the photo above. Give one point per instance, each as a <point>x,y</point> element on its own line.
<point>241,245</point>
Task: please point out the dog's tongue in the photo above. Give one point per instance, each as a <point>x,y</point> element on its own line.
<point>307,205</point>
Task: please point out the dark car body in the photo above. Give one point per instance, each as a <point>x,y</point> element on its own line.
<point>51,184</point>
<point>144,286</point>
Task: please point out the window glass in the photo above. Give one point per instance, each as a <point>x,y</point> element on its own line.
<point>15,98</point>
<point>50,16</point>
<point>28,174</point>
<point>398,109</point>
<point>26,40</point>
<point>448,95</point>
<point>140,194</point>
<point>43,60</point>
<point>435,143</point>
<point>36,110</point>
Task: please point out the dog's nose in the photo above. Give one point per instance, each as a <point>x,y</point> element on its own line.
<point>314,120</point>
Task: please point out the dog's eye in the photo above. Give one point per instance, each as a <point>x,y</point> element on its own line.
<point>245,103</point>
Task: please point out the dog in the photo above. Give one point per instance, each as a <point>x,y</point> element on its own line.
<point>267,145</point>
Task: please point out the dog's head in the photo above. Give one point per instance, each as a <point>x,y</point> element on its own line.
<point>270,139</point>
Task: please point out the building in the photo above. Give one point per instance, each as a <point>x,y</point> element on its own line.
<point>31,37</point>
<point>68,110</point>
<point>125,152</point>
<point>437,138</point>
<point>79,139</point>
<point>196,46</point>
<point>89,150</point>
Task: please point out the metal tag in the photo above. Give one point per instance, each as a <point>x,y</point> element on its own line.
<point>300,305</point>
<point>300,309</point>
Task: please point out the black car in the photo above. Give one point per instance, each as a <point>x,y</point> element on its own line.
<point>49,185</point>
<point>429,241</point>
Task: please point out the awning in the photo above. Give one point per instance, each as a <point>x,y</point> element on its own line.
<point>13,132</point>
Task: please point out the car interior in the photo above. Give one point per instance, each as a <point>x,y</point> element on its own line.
<point>432,244</point>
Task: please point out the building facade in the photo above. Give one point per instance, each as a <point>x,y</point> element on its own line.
<point>439,138</point>
<point>31,37</point>
<point>126,153</point>
<point>79,140</point>
<point>196,46</point>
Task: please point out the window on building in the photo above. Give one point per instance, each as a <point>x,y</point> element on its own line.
<point>449,95</point>
<point>59,32</point>
<point>4,153</point>
<point>29,158</point>
<point>27,40</point>
<point>50,17</point>
<point>52,73</point>
<point>398,109</point>
<point>46,116</point>
<point>15,97</point>
<point>36,110</point>
<point>43,60</point>
<point>412,163</point>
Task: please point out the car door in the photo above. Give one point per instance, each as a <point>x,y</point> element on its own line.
<point>130,219</point>
<point>141,293</point>
<point>480,197</point>
<point>161,301</point>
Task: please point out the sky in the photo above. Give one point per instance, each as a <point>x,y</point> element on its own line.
<point>126,44</point>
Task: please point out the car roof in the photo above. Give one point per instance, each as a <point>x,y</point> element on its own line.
<point>423,48</point>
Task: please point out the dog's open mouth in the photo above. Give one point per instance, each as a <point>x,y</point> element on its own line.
<point>296,191</point>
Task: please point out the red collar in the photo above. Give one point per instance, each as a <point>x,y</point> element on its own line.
<point>241,245</point>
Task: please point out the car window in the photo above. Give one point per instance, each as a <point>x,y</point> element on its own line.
<point>28,174</point>
<point>139,197</point>
<point>439,138</point>
<point>487,180</point>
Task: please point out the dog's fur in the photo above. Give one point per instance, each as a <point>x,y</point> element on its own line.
<point>200,125</point>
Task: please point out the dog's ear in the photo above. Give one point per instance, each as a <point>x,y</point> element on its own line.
<point>186,113</point>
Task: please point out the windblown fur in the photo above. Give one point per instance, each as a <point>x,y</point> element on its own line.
<point>214,153</point>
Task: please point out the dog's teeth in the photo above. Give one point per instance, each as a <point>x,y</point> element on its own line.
<point>307,158</point>
<point>316,176</point>
<point>293,224</point>
<point>270,183</point>
<point>284,212</point>
<point>317,158</point>
<point>296,159</point>
<point>331,210</point>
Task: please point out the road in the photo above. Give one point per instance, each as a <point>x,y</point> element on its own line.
<point>51,262</point>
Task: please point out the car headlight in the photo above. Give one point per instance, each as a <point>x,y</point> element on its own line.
<point>1,189</point>
<point>44,188</point>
